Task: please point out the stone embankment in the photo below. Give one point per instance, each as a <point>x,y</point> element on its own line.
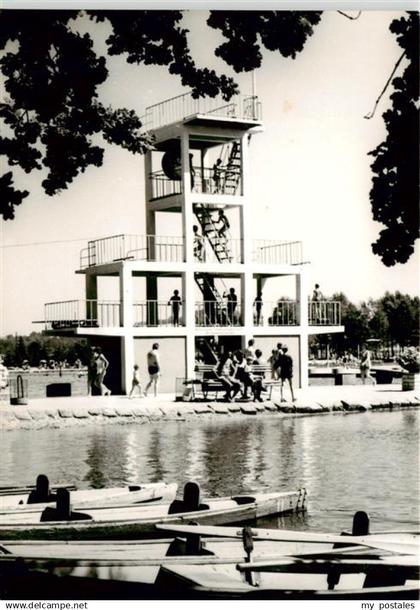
<point>72,411</point>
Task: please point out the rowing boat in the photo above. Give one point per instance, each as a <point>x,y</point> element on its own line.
<point>91,498</point>
<point>148,568</point>
<point>134,521</point>
<point>394,542</point>
<point>295,577</point>
<point>216,566</point>
<point>35,498</point>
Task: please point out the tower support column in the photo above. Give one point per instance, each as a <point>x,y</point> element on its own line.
<point>302,305</point>
<point>127,362</point>
<point>247,284</point>
<point>126,321</point>
<point>91,291</point>
<point>188,286</point>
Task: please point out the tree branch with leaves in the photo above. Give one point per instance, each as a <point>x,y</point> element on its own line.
<point>395,185</point>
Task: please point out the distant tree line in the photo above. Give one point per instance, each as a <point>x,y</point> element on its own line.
<point>36,347</point>
<point>393,319</point>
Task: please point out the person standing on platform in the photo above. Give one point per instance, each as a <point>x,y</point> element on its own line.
<point>258,303</point>
<point>232,301</point>
<point>317,297</point>
<point>285,362</point>
<point>176,302</point>
<point>317,294</point>
<point>153,367</point>
<point>217,175</point>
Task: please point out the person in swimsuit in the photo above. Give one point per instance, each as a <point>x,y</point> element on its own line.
<point>153,367</point>
<point>101,365</point>
<point>285,368</point>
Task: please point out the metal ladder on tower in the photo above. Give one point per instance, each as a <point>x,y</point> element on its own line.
<point>215,309</point>
<point>208,226</point>
<point>232,171</point>
<point>207,351</point>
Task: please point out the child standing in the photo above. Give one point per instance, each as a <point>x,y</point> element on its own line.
<point>136,381</point>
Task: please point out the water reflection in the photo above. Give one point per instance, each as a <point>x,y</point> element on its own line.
<point>347,462</point>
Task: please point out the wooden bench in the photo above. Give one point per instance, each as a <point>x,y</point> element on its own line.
<point>210,382</point>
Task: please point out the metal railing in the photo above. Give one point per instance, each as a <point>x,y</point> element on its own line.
<point>324,313</point>
<point>204,181</point>
<point>278,313</point>
<point>79,313</point>
<point>270,252</point>
<point>134,247</point>
<point>157,313</point>
<point>171,249</point>
<point>245,107</point>
<point>212,313</point>
<point>162,186</point>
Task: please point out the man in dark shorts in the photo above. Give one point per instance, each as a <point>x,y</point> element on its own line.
<point>153,367</point>
<point>285,367</point>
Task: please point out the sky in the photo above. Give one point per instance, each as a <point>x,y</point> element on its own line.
<point>310,172</point>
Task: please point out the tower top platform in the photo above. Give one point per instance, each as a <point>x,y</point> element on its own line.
<point>241,111</point>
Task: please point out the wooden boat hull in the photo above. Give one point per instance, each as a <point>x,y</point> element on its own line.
<point>143,552</point>
<point>224,581</point>
<point>134,522</point>
<point>140,562</point>
<point>404,543</point>
<point>91,498</point>
<point>50,587</point>
<point>195,577</point>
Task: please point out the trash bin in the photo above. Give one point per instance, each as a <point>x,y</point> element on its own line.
<point>184,389</point>
<point>19,391</point>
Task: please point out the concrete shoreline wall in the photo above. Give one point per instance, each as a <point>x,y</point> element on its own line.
<point>65,412</point>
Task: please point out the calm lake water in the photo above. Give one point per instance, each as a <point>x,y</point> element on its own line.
<point>347,462</point>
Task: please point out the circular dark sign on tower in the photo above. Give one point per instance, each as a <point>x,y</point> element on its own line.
<point>171,162</point>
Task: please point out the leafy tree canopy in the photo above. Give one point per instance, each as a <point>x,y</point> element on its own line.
<point>53,112</point>
<point>395,186</point>
<point>52,75</point>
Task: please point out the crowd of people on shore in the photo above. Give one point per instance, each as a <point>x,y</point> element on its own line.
<point>242,372</point>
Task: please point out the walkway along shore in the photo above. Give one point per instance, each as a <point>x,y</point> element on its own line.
<point>84,410</point>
